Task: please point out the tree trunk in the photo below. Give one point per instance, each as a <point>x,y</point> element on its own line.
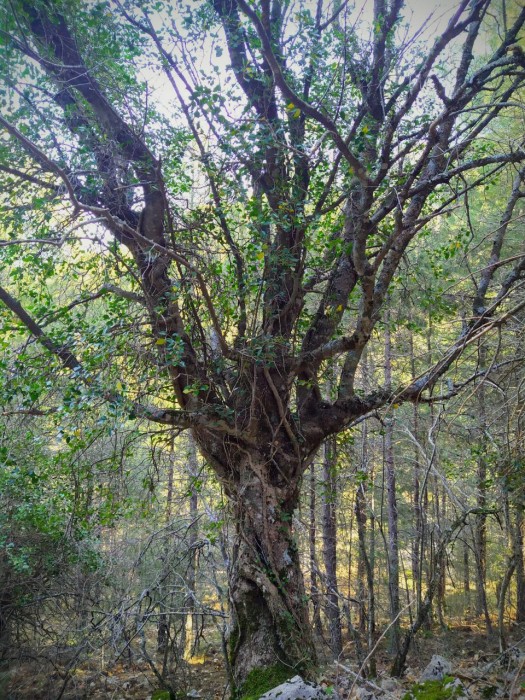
<point>393,543</point>
<point>367,562</point>
<point>481,543</point>
<point>312,539</point>
<point>398,665</point>
<point>360,516</point>
<point>416,499</point>
<point>5,610</point>
<point>504,586</point>
<point>520,568</point>
<point>466,575</point>
<point>330,546</point>
<point>163,629</point>
<point>270,626</point>
<point>191,635</point>
<point>481,520</point>
<point>441,518</point>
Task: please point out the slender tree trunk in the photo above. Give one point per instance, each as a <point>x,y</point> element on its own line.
<point>416,499</point>
<point>191,622</point>
<point>312,538</point>
<point>163,629</point>
<point>398,665</point>
<point>360,514</point>
<point>466,575</point>
<point>5,631</point>
<point>426,554</point>
<point>353,633</point>
<point>503,588</point>
<point>371,618</point>
<point>393,540</point>
<point>350,557</point>
<point>330,545</point>
<point>481,542</point>
<point>481,520</point>
<point>520,568</point>
<point>361,520</point>
<point>441,514</point>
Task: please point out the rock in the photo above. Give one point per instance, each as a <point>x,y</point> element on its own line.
<point>193,694</point>
<point>364,694</point>
<point>456,689</point>
<point>297,689</point>
<point>389,685</point>
<point>437,669</point>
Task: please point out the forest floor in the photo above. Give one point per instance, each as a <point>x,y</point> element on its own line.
<point>475,660</point>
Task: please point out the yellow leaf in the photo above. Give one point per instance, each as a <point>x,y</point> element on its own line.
<point>395,405</point>
<point>365,130</point>
<point>160,341</point>
<point>260,256</point>
<point>290,106</point>
<point>340,307</point>
<point>119,386</point>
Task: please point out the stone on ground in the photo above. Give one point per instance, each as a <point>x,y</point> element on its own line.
<point>437,669</point>
<point>298,689</point>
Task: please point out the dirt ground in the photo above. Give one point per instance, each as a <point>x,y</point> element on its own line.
<point>476,661</point>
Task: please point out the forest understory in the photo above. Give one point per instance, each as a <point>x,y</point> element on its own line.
<point>476,661</point>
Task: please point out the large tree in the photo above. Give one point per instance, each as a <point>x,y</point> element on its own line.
<point>252,179</point>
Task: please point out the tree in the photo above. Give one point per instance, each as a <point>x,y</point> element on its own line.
<point>250,226</point>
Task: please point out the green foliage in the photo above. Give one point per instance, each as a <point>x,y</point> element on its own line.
<point>163,695</point>
<point>260,680</point>
<point>435,690</point>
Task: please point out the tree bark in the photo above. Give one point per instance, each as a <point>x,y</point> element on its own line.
<point>398,665</point>
<point>190,626</point>
<point>367,563</point>
<point>393,540</point>
<point>312,540</point>
<point>270,625</point>
<point>481,520</point>
<point>163,628</point>
<point>466,575</point>
<point>416,500</point>
<point>520,568</point>
<point>5,632</point>
<point>504,586</point>
<point>330,545</point>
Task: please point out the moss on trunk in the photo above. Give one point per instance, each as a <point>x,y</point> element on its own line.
<point>260,680</point>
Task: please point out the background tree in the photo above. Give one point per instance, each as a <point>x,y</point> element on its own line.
<point>251,226</point>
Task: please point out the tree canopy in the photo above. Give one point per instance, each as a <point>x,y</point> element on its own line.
<point>206,209</point>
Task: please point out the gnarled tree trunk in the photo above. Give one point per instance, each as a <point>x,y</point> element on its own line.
<point>270,625</point>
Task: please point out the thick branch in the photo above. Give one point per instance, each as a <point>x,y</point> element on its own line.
<point>291,95</point>
<point>167,416</point>
<point>65,356</point>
